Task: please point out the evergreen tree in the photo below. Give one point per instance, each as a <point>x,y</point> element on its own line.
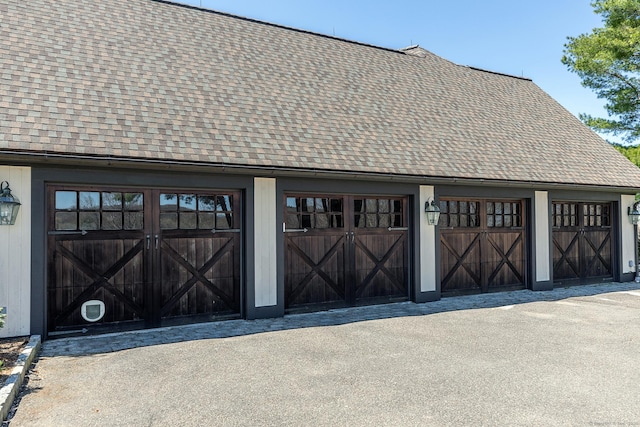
<point>608,61</point>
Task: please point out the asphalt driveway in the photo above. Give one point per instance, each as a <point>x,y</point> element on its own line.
<point>565,357</point>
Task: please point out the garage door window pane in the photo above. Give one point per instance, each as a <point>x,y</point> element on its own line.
<point>112,201</point>
<point>66,221</point>
<point>188,221</point>
<point>225,203</point>
<point>168,202</point>
<point>306,221</point>
<point>111,221</point>
<point>292,222</point>
<point>308,204</point>
<point>169,221</point>
<point>133,221</point>
<point>89,220</point>
<point>322,221</point>
<point>206,203</point>
<point>187,202</point>
<point>133,201</point>
<point>206,220</point>
<point>224,220</point>
<point>384,221</point>
<point>89,200</point>
<point>66,200</point>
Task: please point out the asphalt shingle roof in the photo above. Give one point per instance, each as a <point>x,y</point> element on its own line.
<point>153,80</point>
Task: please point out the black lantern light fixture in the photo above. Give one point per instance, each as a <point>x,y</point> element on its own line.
<point>433,212</point>
<point>9,205</point>
<point>634,217</point>
<point>634,213</point>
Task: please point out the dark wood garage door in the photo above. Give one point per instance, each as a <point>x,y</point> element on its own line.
<point>581,242</point>
<point>153,257</point>
<point>345,250</point>
<point>482,245</point>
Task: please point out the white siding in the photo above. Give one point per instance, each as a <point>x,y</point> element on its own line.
<point>428,265</point>
<point>543,260</point>
<point>265,227</point>
<point>15,256</point>
<point>626,230</point>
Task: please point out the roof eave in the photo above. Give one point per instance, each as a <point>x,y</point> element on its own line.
<point>56,159</point>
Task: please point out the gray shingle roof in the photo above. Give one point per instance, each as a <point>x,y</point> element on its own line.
<point>153,80</point>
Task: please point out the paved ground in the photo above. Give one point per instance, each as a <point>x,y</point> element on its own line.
<point>566,357</point>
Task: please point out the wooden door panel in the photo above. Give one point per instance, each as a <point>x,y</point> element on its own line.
<point>597,253</point>
<point>505,259</point>
<point>199,275</point>
<point>380,264</point>
<point>109,270</point>
<point>315,266</point>
<point>461,261</point>
<point>566,254</point>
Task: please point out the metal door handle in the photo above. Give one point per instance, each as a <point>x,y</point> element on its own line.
<point>156,236</point>
<point>296,230</point>
<point>148,241</point>
<point>62,232</point>
<point>227,230</point>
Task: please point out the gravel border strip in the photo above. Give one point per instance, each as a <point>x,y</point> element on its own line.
<point>12,385</point>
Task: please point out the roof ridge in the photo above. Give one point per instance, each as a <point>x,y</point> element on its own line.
<point>498,73</point>
<point>271,24</point>
<point>402,51</point>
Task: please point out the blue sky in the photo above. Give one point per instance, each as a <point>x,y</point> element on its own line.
<point>523,38</point>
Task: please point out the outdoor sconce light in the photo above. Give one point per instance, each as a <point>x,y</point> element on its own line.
<point>634,213</point>
<point>9,205</point>
<point>433,212</point>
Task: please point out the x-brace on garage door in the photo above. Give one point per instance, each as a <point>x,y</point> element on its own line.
<point>152,257</point>
<point>345,250</point>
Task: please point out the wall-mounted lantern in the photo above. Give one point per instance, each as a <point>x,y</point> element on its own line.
<point>634,213</point>
<point>433,212</point>
<point>9,205</point>
<point>634,217</point>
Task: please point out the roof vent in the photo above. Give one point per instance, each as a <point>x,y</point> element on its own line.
<point>415,50</point>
